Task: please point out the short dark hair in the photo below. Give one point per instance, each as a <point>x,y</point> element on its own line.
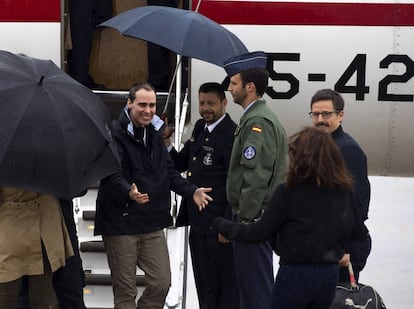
<point>314,156</point>
<point>135,87</point>
<point>213,87</point>
<point>260,77</point>
<point>329,94</point>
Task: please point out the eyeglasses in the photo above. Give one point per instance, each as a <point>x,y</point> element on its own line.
<point>325,114</point>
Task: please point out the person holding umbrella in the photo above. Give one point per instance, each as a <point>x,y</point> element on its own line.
<point>133,206</point>
<point>206,157</point>
<point>34,242</point>
<point>53,109</point>
<point>309,221</point>
<point>69,280</point>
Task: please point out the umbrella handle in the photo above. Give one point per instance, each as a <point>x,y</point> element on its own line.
<point>198,6</point>
<point>352,276</point>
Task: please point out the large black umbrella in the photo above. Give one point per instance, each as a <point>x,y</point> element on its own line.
<point>54,136</point>
<point>185,32</point>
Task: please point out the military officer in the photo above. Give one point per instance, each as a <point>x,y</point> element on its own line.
<point>257,165</point>
<point>206,158</point>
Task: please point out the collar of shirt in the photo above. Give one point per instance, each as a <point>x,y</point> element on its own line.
<point>248,106</point>
<point>130,128</point>
<point>212,126</point>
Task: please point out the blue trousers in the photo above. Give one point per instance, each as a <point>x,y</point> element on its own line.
<point>305,286</point>
<point>254,273</point>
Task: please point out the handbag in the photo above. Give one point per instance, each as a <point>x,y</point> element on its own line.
<point>356,295</point>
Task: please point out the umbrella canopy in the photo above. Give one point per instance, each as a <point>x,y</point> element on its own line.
<point>54,136</point>
<point>186,33</point>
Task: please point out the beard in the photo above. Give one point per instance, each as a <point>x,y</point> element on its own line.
<point>239,97</point>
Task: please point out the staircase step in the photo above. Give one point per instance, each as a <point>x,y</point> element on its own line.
<point>92,246</point>
<point>88,215</point>
<point>105,279</point>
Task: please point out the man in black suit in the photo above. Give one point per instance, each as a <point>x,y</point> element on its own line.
<point>205,157</point>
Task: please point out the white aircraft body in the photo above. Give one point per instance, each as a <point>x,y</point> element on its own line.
<point>363,49</point>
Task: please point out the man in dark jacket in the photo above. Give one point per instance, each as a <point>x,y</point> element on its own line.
<point>133,206</point>
<point>327,112</point>
<point>205,157</point>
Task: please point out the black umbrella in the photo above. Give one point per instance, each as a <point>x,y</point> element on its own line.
<point>54,136</point>
<point>185,32</point>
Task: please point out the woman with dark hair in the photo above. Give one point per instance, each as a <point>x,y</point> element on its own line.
<point>309,221</point>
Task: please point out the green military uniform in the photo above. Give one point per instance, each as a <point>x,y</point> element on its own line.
<point>258,161</point>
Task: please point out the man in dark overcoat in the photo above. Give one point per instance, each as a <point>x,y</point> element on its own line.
<point>327,112</point>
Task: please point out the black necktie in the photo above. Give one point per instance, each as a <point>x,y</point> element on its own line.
<point>206,132</point>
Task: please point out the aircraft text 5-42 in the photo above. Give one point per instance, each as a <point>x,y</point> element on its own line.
<point>352,79</point>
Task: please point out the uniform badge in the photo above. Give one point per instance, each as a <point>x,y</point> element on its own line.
<point>208,160</point>
<point>249,152</point>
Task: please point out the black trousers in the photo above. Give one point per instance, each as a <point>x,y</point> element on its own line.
<point>214,274</point>
<point>85,16</point>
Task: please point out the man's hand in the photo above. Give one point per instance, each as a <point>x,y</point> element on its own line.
<point>166,134</point>
<point>201,198</point>
<point>135,195</point>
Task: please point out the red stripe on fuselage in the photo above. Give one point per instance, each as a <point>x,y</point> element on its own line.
<point>307,13</point>
<point>30,11</point>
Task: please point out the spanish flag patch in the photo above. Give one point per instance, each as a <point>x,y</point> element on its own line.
<point>257,129</point>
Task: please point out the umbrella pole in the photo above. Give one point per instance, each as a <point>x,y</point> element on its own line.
<point>182,118</point>
<point>164,111</point>
<point>198,6</point>
<point>178,75</point>
<point>175,236</point>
